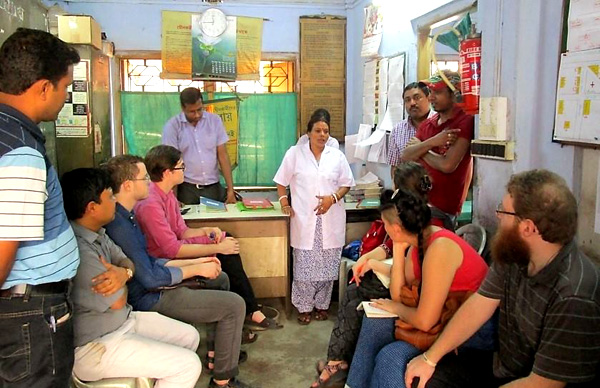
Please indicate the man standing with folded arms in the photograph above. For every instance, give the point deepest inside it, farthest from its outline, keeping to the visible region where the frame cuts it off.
(38, 250)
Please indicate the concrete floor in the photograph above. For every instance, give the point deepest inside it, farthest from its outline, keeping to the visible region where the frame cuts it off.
(285, 357)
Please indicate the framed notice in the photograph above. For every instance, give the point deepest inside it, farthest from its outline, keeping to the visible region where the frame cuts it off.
(74, 118)
(323, 70)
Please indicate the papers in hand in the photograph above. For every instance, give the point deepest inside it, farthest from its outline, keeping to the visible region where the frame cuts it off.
(375, 312)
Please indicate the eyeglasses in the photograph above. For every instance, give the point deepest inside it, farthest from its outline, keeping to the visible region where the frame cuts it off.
(145, 178)
(500, 210)
(182, 167)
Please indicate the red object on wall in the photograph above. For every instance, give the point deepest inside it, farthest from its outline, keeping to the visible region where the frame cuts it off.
(470, 72)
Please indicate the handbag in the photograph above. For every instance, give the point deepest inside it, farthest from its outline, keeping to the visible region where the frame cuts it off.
(423, 340)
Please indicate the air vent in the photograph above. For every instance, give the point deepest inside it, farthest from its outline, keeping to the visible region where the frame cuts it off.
(502, 150)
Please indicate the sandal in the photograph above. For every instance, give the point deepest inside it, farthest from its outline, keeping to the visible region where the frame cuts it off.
(248, 336)
(211, 360)
(265, 324)
(321, 315)
(304, 318)
(337, 375)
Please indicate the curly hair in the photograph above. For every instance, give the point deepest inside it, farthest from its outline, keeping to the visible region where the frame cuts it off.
(544, 197)
(28, 56)
(411, 211)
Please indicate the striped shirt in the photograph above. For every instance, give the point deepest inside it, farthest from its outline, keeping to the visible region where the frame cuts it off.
(550, 322)
(401, 134)
(31, 205)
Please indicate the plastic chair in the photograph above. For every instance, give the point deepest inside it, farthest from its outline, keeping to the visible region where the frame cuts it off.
(345, 266)
(121, 382)
(473, 234)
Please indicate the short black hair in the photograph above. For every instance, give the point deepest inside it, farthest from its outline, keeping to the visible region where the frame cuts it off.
(82, 186)
(28, 56)
(159, 159)
(417, 85)
(319, 115)
(190, 96)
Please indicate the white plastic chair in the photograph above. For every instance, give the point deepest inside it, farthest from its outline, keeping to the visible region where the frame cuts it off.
(473, 234)
(122, 382)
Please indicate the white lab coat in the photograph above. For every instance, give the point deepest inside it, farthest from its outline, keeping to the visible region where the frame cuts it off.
(307, 179)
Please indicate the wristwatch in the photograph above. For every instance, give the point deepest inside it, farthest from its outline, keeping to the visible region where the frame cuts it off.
(129, 273)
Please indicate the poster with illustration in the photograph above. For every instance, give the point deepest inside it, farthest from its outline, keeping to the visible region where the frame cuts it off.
(214, 47)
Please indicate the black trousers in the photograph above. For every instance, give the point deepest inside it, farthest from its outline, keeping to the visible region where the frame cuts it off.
(190, 194)
(238, 280)
(347, 328)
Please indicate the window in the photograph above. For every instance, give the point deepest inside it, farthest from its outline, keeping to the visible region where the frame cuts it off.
(444, 65)
(143, 75)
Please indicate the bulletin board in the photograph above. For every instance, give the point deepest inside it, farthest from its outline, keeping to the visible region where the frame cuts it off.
(578, 85)
(323, 70)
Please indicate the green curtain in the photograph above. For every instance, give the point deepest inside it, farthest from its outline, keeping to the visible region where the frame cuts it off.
(267, 129)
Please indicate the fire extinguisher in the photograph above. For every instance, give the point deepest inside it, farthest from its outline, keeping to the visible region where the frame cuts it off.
(470, 71)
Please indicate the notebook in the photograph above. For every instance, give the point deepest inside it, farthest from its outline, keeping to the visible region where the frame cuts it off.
(257, 203)
(375, 312)
(212, 205)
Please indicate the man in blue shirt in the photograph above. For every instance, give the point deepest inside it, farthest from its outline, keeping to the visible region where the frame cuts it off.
(130, 183)
(38, 251)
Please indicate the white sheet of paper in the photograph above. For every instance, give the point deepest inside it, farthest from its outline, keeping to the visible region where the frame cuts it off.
(375, 138)
(361, 152)
(350, 148)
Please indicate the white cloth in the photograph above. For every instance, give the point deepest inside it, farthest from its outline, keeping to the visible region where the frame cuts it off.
(307, 179)
(331, 142)
(146, 345)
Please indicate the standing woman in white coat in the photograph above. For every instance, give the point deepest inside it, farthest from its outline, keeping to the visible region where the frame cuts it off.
(318, 176)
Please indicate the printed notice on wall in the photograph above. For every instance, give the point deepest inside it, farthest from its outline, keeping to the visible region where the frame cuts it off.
(323, 70)
(73, 119)
(176, 44)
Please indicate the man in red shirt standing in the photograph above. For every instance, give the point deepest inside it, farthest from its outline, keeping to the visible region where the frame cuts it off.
(442, 145)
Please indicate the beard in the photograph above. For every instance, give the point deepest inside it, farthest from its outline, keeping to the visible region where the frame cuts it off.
(508, 247)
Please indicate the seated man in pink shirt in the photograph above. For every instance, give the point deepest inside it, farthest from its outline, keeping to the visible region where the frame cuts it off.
(168, 236)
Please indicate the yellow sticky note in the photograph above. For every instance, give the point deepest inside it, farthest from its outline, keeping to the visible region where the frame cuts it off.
(586, 107)
(561, 107)
(567, 125)
(563, 82)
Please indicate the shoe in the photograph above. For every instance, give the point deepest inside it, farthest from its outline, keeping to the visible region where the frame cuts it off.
(232, 383)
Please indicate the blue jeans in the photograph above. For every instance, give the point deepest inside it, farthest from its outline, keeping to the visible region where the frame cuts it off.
(33, 352)
(376, 346)
(380, 360)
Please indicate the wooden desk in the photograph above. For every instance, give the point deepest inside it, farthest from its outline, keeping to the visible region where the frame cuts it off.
(264, 244)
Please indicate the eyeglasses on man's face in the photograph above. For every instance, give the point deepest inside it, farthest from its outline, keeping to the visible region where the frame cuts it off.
(145, 178)
(500, 210)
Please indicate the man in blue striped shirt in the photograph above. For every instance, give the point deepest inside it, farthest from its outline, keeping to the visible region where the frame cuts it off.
(38, 250)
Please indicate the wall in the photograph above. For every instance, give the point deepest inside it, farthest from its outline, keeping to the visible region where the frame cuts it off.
(398, 37)
(143, 31)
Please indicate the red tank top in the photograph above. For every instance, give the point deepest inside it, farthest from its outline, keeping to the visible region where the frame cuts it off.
(471, 272)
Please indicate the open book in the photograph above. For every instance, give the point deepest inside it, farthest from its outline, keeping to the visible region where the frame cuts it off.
(375, 312)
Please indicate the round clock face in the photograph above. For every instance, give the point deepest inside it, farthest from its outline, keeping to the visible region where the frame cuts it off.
(213, 22)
